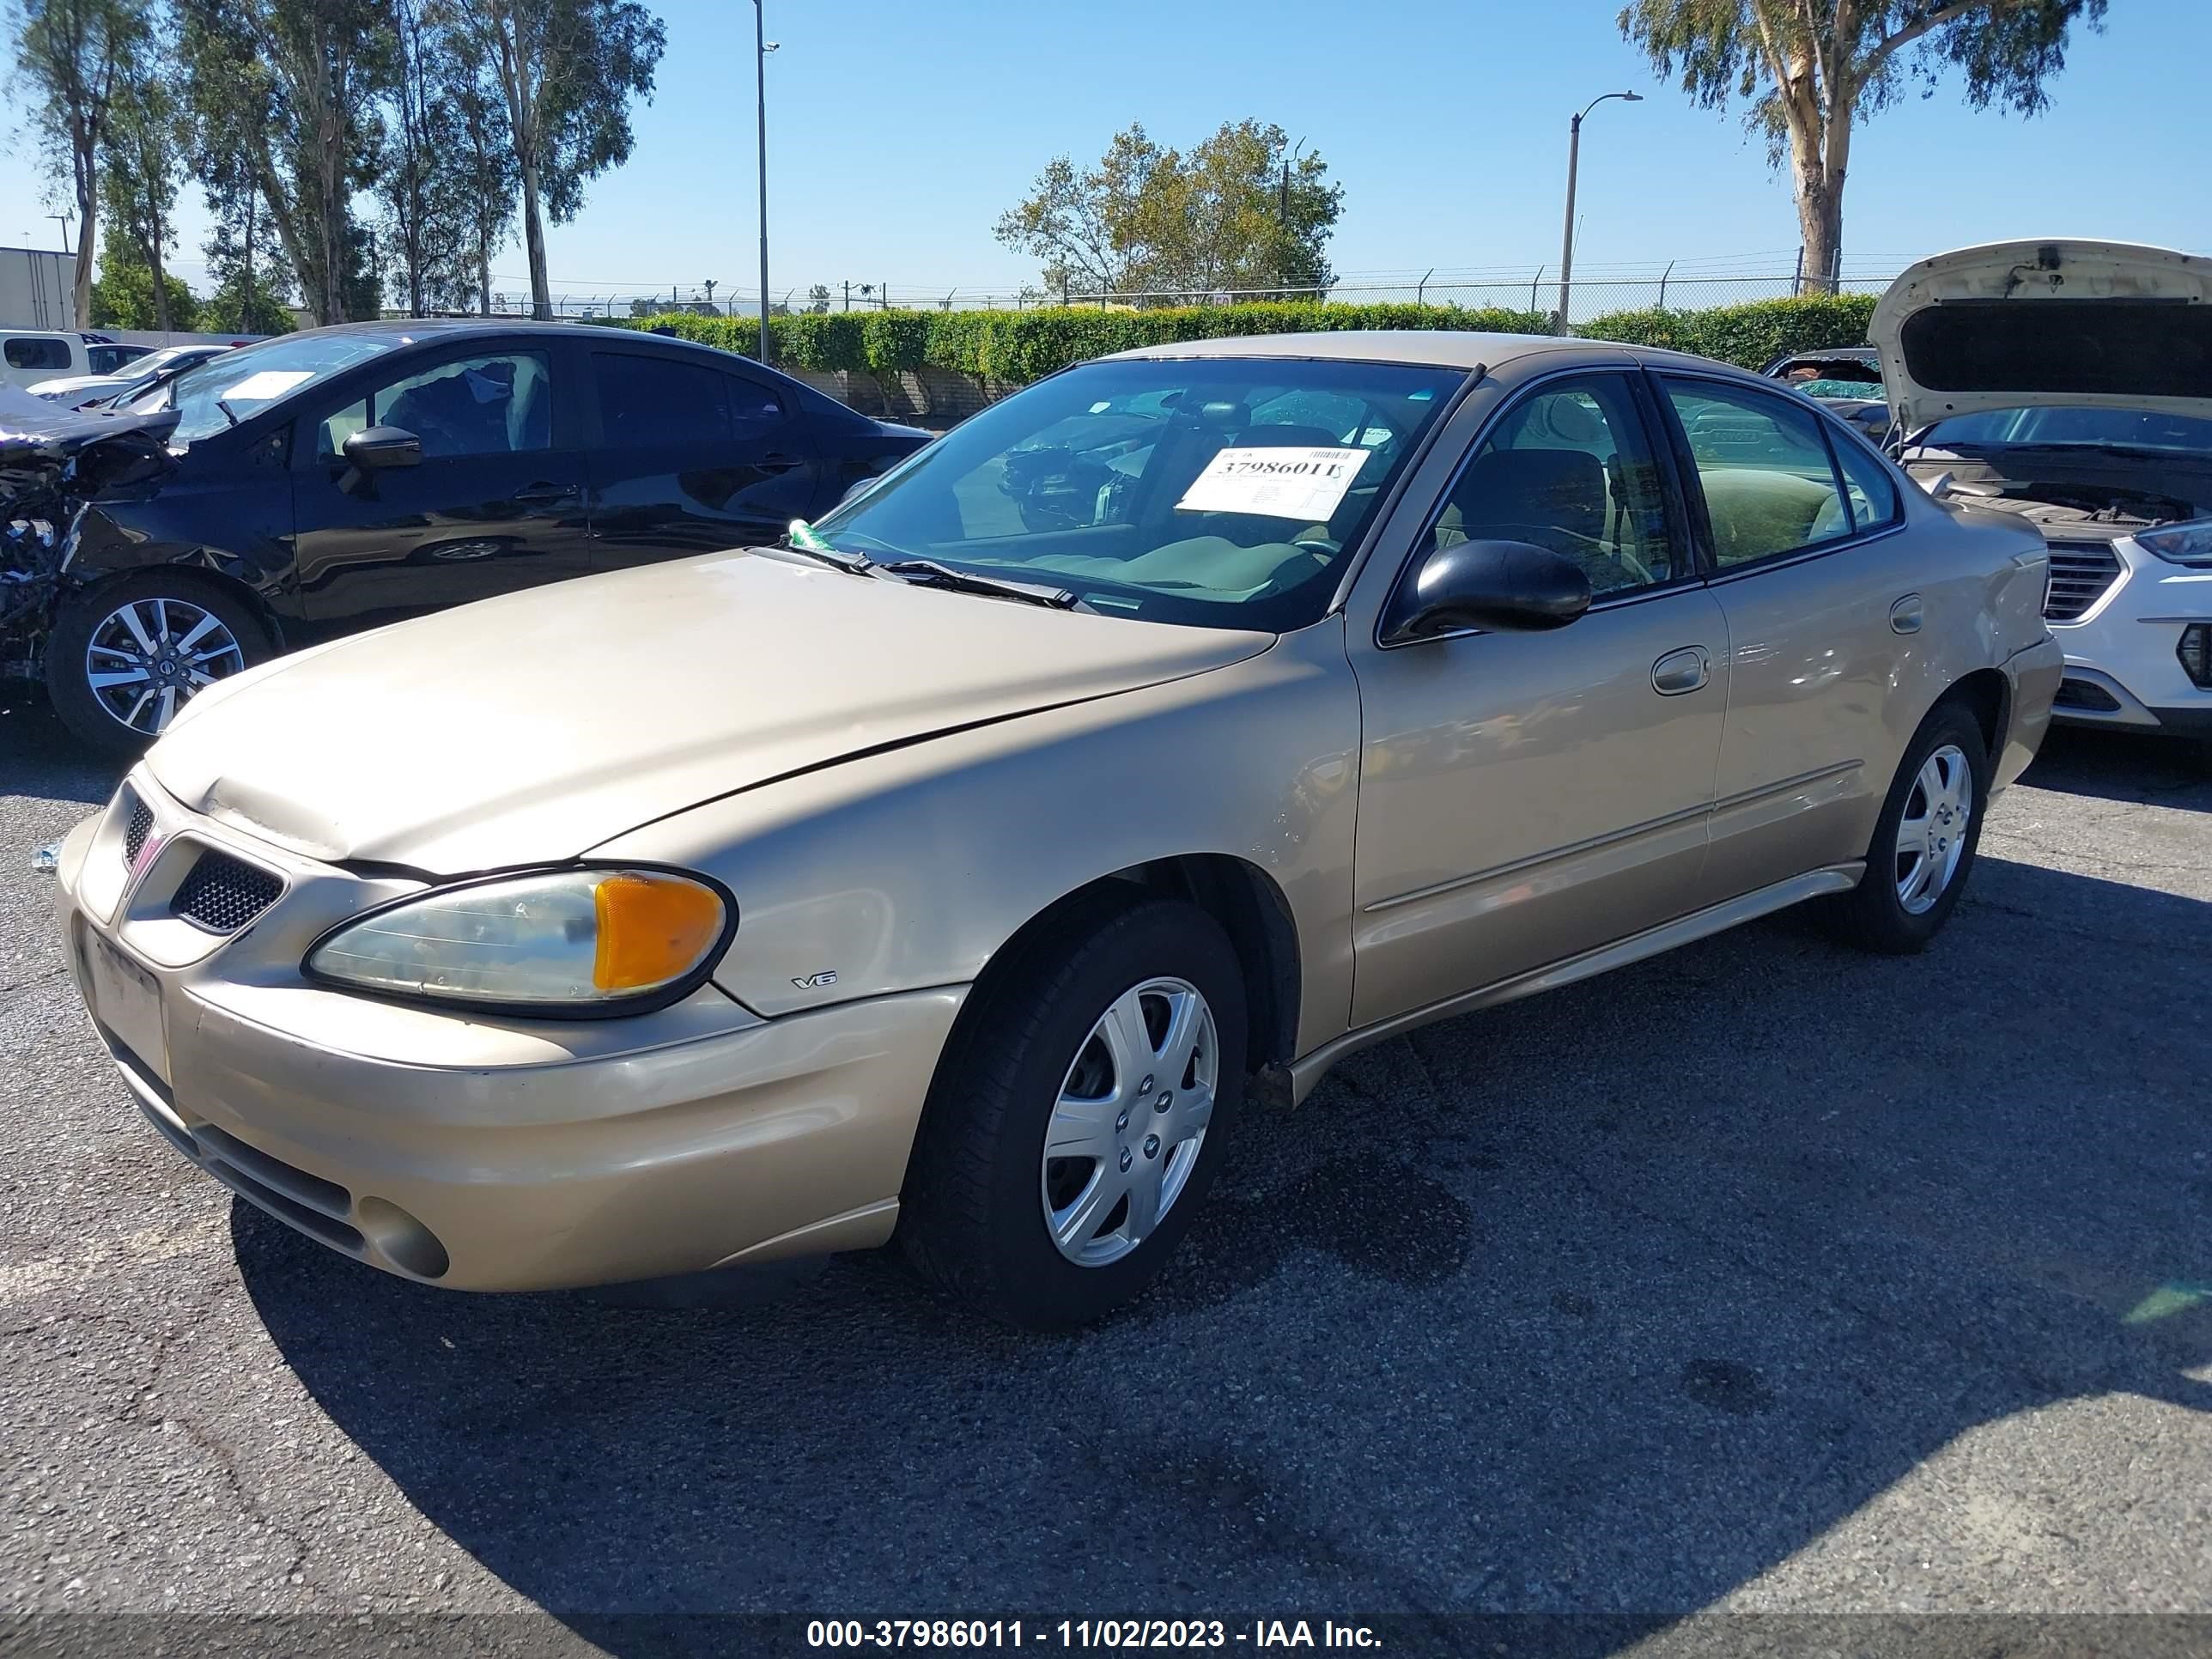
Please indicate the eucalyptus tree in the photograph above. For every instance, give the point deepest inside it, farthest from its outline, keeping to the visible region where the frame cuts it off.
(1812, 70)
(568, 72)
(71, 59)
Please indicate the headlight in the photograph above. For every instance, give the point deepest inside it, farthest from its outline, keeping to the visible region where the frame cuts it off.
(2179, 543)
(554, 941)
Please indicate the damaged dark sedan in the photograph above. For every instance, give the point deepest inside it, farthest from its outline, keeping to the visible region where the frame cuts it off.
(322, 483)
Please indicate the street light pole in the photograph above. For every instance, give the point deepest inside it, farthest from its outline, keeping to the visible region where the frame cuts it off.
(761, 50)
(1573, 161)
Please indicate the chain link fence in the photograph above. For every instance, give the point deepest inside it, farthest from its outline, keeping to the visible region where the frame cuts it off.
(1695, 285)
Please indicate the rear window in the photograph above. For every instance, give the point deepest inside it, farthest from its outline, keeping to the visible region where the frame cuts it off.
(33, 352)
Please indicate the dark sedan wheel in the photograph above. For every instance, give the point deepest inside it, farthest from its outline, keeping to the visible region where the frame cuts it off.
(126, 655)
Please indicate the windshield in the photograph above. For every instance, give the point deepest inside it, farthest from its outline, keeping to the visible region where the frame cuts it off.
(1225, 492)
(2129, 428)
(167, 357)
(225, 390)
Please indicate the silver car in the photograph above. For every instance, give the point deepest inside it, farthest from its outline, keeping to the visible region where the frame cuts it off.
(965, 867)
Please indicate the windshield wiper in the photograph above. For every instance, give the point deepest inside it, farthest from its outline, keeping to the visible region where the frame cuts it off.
(928, 573)
(229, 414)
(802, 537)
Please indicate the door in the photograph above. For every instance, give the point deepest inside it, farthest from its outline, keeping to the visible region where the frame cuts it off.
(1525, 797)
(1819, 603)
(693, 458)
(495, 504)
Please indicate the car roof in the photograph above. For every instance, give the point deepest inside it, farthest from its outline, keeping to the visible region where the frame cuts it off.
(1430, 348)
(404, 331)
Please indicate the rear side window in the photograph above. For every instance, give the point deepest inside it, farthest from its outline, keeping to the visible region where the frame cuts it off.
(651, 403)
(34, 353)
(1770, 483)
(1872, 494)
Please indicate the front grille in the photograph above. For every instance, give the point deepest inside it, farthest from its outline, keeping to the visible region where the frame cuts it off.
(2082, 694)
(222, 894)
(139, 825)
(2081, 572)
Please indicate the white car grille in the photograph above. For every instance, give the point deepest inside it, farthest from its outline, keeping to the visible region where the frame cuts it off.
(2080, 573)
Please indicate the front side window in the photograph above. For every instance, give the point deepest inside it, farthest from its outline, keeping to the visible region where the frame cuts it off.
(1769, 484)
(1568, 468)
(1222, 492)
(35, 353)
(500, 404)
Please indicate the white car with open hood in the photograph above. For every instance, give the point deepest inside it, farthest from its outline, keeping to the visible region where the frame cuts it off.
(2070, 383)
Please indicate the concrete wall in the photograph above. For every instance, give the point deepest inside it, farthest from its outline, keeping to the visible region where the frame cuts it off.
(930, 397)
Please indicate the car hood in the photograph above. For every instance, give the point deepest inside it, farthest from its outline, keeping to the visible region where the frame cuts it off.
(46, 446)
(75, 383)
(535, 726)
(2015, 324)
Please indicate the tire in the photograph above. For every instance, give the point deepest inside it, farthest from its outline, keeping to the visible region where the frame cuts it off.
(90, 636)
(1907, 896)
(1029, 1062)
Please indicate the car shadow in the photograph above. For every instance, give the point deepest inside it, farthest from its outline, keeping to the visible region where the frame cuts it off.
(1608, 1302)
(2111, 764)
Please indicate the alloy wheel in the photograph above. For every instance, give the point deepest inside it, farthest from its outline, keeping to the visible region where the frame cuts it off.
(146, 658)
(1931, 835)
(1130, 1117)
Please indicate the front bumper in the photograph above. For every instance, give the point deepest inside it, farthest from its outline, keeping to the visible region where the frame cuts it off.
(485, 1154)
(2123, 666)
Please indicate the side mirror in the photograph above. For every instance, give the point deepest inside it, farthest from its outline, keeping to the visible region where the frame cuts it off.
(1513, 585)
(375, 447)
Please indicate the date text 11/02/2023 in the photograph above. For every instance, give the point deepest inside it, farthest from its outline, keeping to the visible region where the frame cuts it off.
(1086, 1633)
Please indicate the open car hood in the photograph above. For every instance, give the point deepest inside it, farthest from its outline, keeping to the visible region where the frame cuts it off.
(43, 446)
(2018, 325)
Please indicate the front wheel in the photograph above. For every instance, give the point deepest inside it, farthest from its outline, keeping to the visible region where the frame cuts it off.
(1076, 1122)
(124, 656)
(1925, 840)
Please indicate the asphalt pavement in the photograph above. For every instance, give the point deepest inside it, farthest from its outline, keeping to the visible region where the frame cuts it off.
(1761, 1277)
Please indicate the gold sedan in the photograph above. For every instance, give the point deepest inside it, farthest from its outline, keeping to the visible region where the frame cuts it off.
(963, 866)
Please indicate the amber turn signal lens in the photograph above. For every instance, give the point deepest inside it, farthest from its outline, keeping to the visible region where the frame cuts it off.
(652, 929)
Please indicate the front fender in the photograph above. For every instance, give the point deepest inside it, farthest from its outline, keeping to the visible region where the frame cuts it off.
(911, 868)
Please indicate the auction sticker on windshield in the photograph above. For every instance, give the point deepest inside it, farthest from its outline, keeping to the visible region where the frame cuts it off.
(1290, 482)
(269, 383)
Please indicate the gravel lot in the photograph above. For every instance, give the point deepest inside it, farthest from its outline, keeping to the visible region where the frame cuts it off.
(1763, 1276)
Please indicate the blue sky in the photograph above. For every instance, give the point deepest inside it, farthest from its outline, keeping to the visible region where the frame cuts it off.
(898, 132)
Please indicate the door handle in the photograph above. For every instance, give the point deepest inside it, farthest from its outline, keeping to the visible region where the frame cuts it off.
(534, 494)
(1682, 671)
(1906, 615)
(779, 463)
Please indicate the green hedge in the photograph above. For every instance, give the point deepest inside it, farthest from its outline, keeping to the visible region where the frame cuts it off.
(1016, 347)
(1751, 336)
